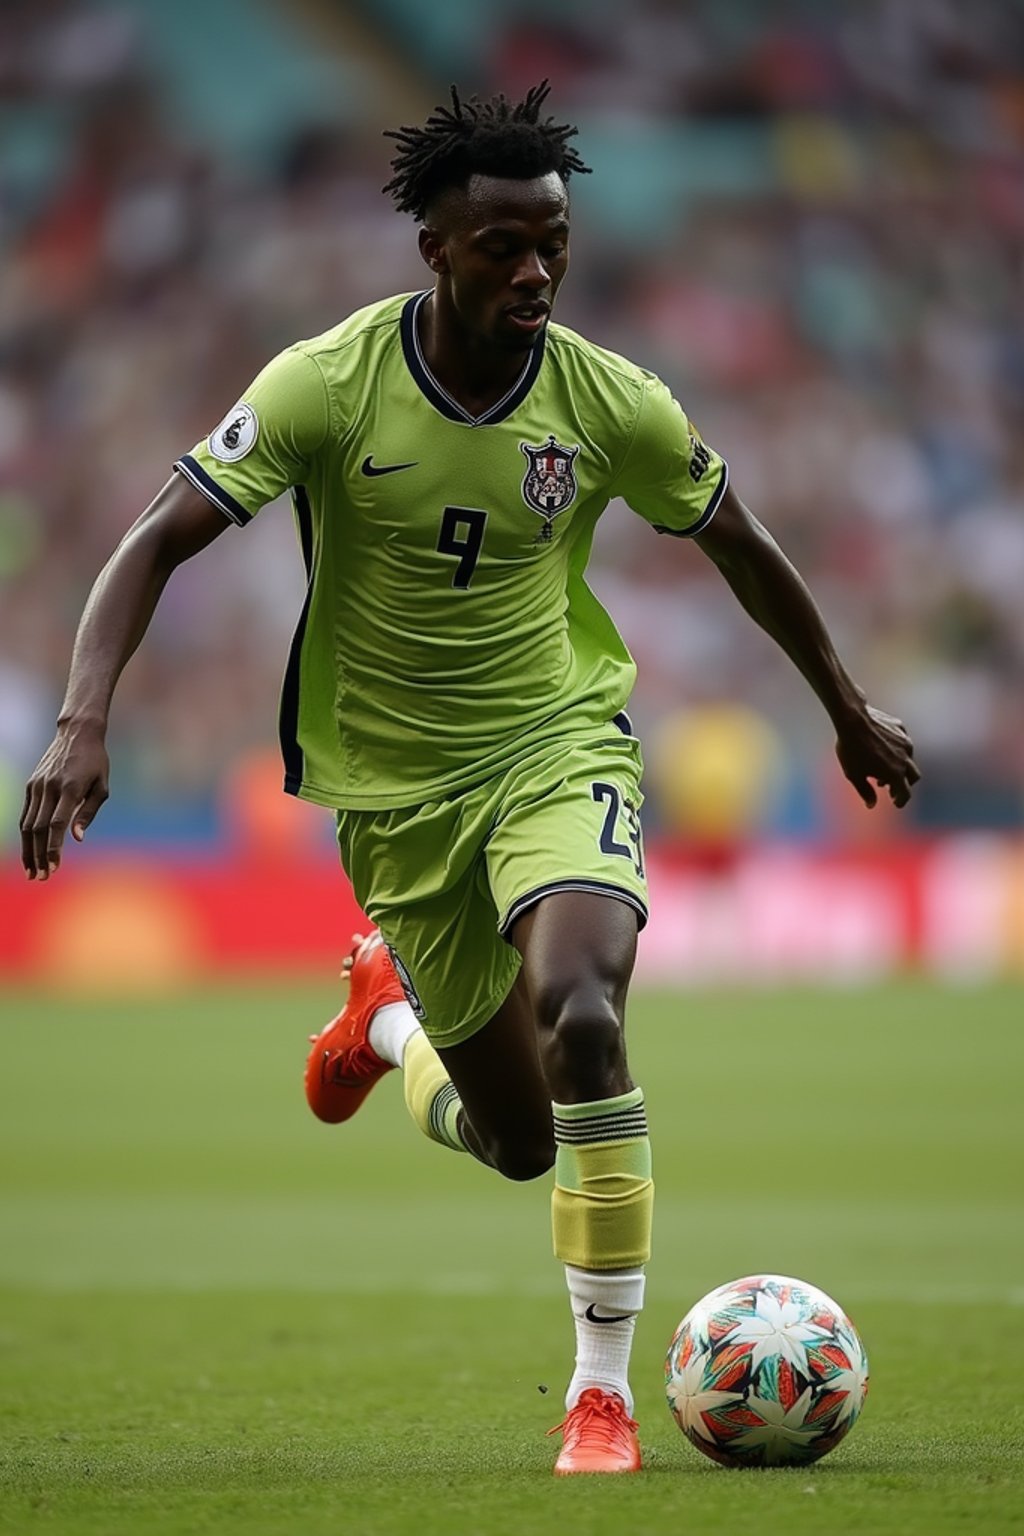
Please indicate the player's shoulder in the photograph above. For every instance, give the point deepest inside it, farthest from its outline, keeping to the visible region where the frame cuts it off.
(322, 378)
(606, 390)
(377, 322)
(606, 370)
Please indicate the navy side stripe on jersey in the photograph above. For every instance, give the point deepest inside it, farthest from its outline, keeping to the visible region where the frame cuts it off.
(288, 720)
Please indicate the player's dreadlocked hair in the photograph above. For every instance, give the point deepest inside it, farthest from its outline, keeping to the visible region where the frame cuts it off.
(487, 138)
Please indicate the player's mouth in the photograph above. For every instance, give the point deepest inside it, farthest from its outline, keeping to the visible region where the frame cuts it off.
(529, 316)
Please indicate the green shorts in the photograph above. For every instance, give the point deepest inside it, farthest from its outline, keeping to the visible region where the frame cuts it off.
(446, 881)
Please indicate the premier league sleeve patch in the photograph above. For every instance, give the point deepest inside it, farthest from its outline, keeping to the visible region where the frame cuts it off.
(235, 435)
(549, 485)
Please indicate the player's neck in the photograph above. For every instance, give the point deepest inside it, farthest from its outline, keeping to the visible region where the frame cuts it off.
(476, 375)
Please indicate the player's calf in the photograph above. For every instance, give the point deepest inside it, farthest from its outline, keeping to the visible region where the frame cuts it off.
(521, 1159)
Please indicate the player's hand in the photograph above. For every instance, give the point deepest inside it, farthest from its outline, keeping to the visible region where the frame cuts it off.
(875, 746)
(66, 790)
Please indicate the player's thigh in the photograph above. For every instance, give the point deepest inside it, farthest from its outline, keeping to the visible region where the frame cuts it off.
(570, 821)
(419, 874)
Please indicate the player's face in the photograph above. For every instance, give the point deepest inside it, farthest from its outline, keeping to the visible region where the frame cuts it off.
(501, 248)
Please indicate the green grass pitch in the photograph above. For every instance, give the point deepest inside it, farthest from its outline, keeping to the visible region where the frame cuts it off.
(219, 1316)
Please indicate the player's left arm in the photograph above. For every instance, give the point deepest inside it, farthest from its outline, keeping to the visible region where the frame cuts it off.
(870, 745)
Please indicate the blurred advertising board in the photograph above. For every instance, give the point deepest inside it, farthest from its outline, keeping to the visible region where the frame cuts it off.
(952, 908)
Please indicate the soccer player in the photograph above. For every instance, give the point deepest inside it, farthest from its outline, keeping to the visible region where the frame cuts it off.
(455, 693)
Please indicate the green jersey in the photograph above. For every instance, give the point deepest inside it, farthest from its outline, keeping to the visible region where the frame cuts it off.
(447, 626)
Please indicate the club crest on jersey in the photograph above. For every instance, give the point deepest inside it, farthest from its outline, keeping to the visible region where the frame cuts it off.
(549, 485)
(235, 435)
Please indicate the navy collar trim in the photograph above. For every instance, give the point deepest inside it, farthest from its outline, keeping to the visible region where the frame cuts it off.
(439, 397)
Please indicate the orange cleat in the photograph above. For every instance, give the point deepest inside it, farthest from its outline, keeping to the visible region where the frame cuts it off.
(599, 1436)
(342, 1067)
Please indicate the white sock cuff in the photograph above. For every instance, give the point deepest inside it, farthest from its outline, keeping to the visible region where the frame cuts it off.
(391, 1029)
(610, 1291)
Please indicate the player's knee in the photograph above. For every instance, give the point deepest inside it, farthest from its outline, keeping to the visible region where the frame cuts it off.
(582, 1043)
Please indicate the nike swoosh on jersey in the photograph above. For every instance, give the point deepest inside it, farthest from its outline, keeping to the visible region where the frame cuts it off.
(592, 1317)
(370, 468)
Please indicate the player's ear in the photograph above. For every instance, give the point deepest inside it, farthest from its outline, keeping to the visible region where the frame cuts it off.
(432, 249)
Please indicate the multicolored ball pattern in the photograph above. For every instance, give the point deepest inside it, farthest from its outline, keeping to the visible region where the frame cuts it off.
(766, 1371)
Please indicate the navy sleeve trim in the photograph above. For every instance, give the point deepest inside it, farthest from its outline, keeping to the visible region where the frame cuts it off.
(706, 516)
(222, 499)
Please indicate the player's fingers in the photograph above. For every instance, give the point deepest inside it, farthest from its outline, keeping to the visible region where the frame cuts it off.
(901, 782)
(40, 829)
(83, 816)
(26, 805)
(899, 791)
(56, 827)
(33, 793)
(866, 790)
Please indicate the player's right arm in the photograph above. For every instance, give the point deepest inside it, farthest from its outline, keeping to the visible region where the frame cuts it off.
(70, 783)
(264, 444)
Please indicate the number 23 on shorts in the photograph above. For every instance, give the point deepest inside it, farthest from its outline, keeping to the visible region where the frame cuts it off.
(619, 812)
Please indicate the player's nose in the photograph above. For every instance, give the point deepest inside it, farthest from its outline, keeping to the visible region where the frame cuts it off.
(532, 273)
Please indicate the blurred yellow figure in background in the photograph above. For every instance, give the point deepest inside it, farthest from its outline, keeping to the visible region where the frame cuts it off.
(716, 772)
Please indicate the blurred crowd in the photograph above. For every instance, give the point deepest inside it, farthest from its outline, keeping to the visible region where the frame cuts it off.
(849, 334)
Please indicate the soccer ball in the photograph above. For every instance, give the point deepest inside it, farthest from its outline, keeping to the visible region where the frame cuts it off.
(765, 1371)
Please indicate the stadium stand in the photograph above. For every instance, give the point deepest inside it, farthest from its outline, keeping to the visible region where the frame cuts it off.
(810, 226)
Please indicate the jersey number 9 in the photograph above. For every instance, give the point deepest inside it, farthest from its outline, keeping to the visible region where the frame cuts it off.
(462, 535)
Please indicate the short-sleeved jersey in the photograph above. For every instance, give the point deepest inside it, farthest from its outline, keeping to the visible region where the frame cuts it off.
(447, 626)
